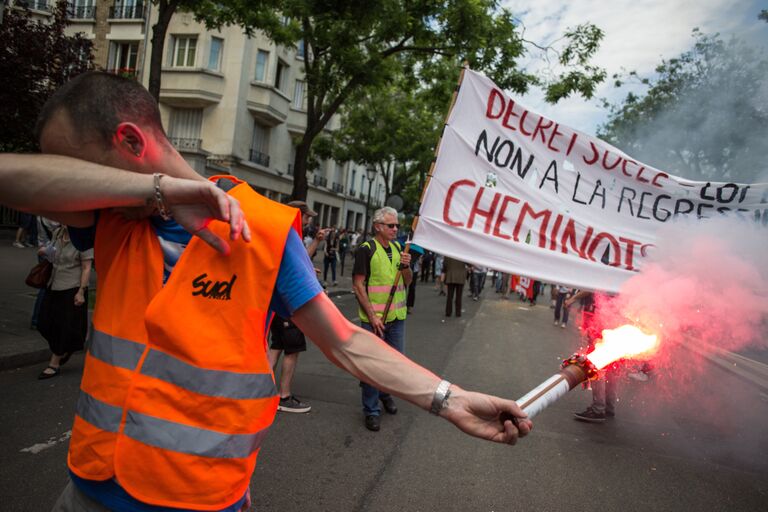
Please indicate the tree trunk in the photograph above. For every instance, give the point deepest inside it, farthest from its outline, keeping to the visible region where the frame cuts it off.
(165, 11)
(300, 186)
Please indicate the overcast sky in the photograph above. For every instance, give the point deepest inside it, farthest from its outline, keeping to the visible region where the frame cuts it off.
(638, 35)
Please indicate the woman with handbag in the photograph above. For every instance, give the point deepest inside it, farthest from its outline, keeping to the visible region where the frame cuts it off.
(63, 320)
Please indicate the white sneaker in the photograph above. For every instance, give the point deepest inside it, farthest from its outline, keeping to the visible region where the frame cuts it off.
(556, 322)
(563, 325)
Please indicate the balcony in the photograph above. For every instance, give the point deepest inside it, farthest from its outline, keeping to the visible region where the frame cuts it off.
(290, 169)
(352, 192)
(266, 104)
(191, 87)
(126, 12)
(320, 181)
(81, 12)
(35, 5)
(184, 144)
(260, 158)
(337, 187)
(124, 72)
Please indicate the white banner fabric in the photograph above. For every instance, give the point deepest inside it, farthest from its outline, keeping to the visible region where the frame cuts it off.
(519, 193)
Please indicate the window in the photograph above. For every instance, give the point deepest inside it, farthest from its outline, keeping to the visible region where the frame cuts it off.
(260, 145)
(214, 59)
(127, 9)
(280, 72)
(262, 59)
(184, 128)
(300, 49)
(122, 57)
(298, 95)
(183, 51)
(81, 9)
(352, 189)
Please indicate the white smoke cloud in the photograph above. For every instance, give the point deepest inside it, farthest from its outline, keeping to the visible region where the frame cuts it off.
(707, 285)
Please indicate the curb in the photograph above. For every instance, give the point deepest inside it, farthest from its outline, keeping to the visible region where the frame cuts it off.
(13, 361)
(749, 370)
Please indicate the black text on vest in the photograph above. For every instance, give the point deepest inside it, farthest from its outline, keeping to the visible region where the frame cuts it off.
(221, 290)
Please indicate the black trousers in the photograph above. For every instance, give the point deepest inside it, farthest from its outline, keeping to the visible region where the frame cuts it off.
(454, 290)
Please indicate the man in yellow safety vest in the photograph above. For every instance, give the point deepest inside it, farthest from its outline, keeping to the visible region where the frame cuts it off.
(376, 264)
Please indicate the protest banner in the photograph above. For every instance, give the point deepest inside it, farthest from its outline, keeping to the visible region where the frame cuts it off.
(504, 174)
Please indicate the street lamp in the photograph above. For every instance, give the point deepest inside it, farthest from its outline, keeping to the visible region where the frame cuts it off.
(370, 173)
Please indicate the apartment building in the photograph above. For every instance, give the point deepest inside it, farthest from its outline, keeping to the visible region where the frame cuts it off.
(231, 104)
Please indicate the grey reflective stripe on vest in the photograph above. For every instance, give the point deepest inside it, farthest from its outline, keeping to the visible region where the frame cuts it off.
(99, 414)
(216, 383)
(116, 351)
(173, 436)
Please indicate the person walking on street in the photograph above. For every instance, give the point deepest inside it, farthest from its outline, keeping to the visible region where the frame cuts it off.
(344, 240)
(561, 310)
(177, 393)
(330, 251)
(287, 339)
(454, 275)
(417, 266)
(477, 278)
(440, 283)
(63, 320)
(604, 392)
(377, 262)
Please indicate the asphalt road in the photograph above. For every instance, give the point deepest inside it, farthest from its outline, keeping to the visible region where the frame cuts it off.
(701, 447)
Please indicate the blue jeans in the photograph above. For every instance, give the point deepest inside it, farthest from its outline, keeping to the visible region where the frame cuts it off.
(394, 336)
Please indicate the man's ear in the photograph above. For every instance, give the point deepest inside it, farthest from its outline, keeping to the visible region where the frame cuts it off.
(130, 138)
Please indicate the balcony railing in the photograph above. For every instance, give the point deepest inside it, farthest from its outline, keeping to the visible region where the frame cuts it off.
(320, 181)
(290, 169)
(81, 12)
(260, 158)
(123, 72)
(337, 187)
(352, 192)
(186, 144)
(38, 5)
(362, 195)
(126, 12)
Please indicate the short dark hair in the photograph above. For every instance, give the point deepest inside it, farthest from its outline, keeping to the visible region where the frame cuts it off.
(97, 102)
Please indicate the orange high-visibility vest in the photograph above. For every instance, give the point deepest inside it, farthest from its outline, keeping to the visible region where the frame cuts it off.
(177, 392)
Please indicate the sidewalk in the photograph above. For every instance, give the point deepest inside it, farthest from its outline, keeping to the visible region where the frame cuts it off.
(19, 345)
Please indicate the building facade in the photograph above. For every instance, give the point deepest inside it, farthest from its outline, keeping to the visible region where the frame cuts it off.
(230, 104)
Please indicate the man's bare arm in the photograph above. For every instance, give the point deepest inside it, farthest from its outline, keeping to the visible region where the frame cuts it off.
(69, 190)
(371, 360)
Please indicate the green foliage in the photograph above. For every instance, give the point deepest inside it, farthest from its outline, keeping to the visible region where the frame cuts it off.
(703, 116)
(36, 58)
(356, 51)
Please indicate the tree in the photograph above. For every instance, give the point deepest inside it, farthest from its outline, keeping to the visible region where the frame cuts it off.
(356, 46)
(703, 116)
(248, 14)
(383, 128)
(36, 58)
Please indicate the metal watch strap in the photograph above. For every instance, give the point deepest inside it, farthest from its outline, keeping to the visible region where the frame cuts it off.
(440, 398)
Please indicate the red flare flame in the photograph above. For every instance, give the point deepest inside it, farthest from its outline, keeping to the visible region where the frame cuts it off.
(625, 342)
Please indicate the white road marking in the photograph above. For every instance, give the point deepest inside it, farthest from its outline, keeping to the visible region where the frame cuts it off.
(53, 441)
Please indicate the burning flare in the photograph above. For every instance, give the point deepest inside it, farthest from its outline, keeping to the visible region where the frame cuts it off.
(626, 341)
